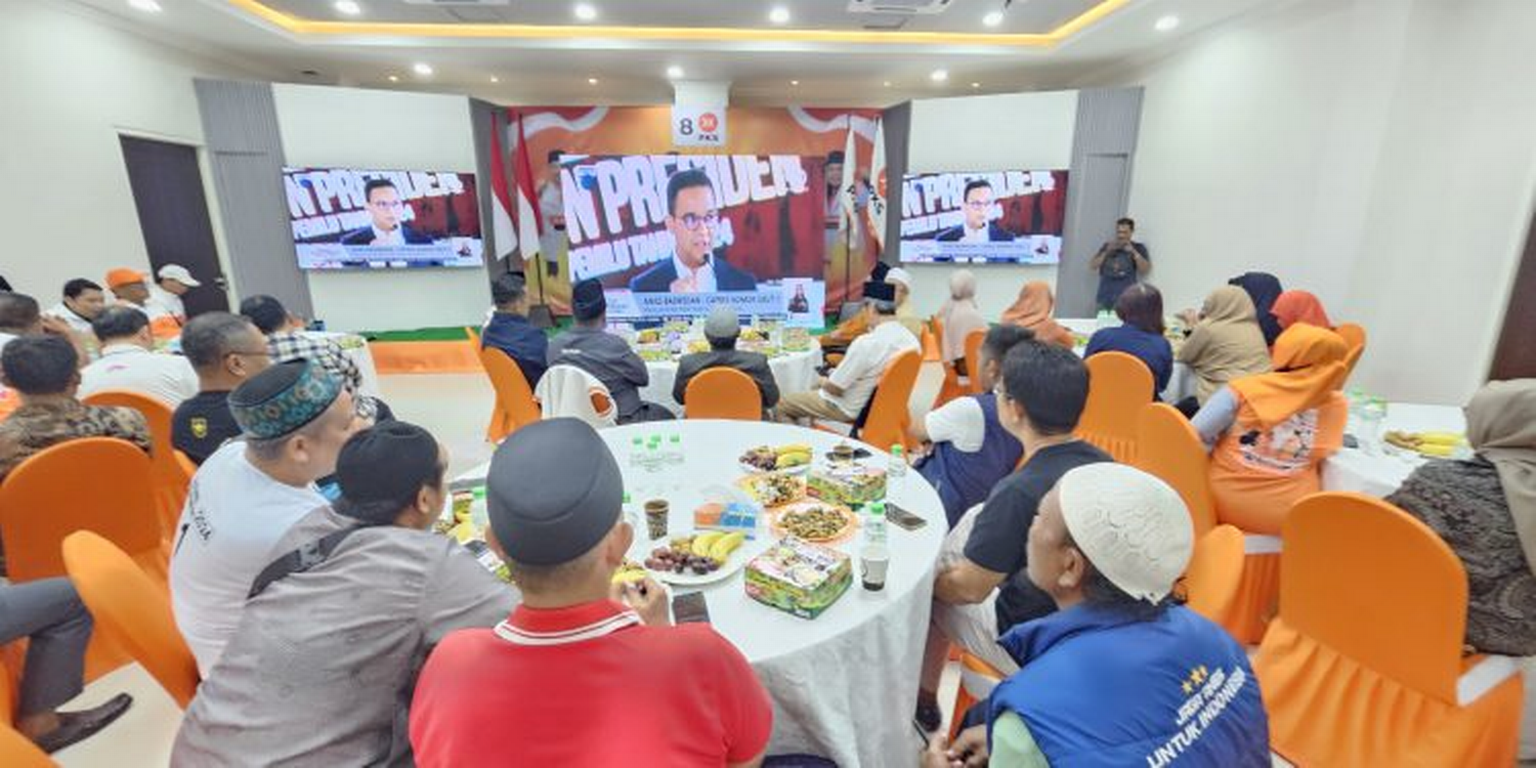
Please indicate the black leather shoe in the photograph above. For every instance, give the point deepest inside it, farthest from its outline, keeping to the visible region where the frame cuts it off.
(77, 726)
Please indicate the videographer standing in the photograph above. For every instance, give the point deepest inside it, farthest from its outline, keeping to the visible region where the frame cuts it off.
(1119, 262)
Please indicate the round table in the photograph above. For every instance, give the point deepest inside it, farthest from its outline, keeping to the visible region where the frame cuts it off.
(843, 684)
(793, 371)
(1376, 471)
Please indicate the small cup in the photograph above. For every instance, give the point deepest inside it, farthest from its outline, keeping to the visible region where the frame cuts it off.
(842, 452)
(656, 512)
(874, 560)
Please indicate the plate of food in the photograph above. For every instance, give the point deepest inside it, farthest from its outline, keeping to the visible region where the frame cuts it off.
(1438, 445)
(794, 458)
(701, 558)
(815, 521)
(772, 489)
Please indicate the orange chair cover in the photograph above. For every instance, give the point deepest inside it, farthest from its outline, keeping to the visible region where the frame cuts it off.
(723, 393)
(973, 342)
(1119, 385)
(889, 413)
(1211, 582)
(171, 478)
(515, 405)
(17, 751)
(1171, 449)
(1258, 594)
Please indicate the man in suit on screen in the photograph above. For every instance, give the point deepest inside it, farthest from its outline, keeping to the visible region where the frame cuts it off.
(976, 228)
(384, 206)
(694, 267)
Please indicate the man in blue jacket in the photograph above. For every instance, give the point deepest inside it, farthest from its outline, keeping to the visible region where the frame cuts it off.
(510, 331)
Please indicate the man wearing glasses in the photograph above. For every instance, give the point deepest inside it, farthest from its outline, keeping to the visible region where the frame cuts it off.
(225, 350)
(694, 267)
(386, 228)
(976, 228)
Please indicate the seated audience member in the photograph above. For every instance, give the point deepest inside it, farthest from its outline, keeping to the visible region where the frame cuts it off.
(960, 317)
(510, 331)
(83, 301)
(588, 346)
(1044, 388)
(20, 316)
(225, 350)
(1485, 509)
(1223, 343)
(1270, 433)
(128, 361)
(1106, 679)
(288, 689)
(1263, 289)
(720, 330)
(129, 288)
(1294, 307)
(174, 282)
(840, 337)
(843, 394)
(43, 372)
(584, 672)
(1140, 308)
(288, 340)
(972, 449)
(244, 498)
(901, 281)
(49, 614)
(1033, 310)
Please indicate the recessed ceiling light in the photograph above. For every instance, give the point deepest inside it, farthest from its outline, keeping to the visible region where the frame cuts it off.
(1166, 23)
(495, 79)
(887, 83)
(422, 68)
(939, 75)
(993, 19)
(591, 81)
(148, 6)
(779, 15)
(585, 11)
(394, 78)
(674, 71)
(975, 85)
(794, 82)
(348, 7)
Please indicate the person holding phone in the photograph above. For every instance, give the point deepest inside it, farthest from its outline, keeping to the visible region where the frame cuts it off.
(1119, 263)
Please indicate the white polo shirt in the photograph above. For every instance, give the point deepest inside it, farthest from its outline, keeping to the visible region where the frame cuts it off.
(866, 360)
(165, 377)
(167, 301)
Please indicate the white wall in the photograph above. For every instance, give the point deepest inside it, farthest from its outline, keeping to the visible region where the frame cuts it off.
(72, 83)
(1379, 154)
(352, 127)
(988, 133)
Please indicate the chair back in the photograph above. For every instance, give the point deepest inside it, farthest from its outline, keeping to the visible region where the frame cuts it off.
(889, 413)
(1168, 447)
(170, 482)
(17, 751)
(977, 679)
(97, 484)
(973, 342)
(1376, 585)
(515, 406)
(722, 393)
(1354, 336)
(1119, 386)
(1215, 571)
(133, 610)
(567, 390)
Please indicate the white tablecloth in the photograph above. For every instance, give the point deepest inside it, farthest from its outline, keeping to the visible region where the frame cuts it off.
(1181, 383)
(794, 372)
(843, 684)
(1378, 474)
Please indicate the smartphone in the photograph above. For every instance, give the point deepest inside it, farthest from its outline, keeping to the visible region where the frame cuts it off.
(900, 516)
(690, 609)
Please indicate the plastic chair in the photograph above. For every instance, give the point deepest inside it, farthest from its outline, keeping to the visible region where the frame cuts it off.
(889, 414)
(1170, 449)
(1210, 583)
(1119, 386)
(133, 610)
(723, 393)
(973, 342)
(1363, 666)
(1354, 336)
(474, 335)
(17, 751)
(977, 679)
(515, 405)
(171, 482)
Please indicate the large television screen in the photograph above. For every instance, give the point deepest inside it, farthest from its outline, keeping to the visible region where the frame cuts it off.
(357, 218)
(673, 235)
(1006, 217)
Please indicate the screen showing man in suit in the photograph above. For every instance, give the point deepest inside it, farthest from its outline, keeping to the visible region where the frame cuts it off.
(371, 219)
(1010, 217)
(695, 266)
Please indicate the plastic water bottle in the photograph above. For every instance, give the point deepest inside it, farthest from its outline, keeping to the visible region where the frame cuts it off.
(675, 450)
(898, 466)
(874, 524)
(479, 509)
(654, 460)
(636, 453)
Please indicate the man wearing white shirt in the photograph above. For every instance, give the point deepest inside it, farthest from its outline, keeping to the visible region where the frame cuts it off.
(128, 361)
(174, 283)
(130, 288)
(843, 394)
(83, 301)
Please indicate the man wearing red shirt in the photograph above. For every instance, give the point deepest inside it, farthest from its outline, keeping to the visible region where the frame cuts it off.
(581, 673)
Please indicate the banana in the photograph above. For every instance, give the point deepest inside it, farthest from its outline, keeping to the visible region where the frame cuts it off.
(1436, 449)
(793, 448)
(792, 460)
(703, 542)
(725, 545)
(1442, 438)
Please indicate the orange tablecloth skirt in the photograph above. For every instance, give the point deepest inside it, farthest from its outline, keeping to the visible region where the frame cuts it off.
(425, 357)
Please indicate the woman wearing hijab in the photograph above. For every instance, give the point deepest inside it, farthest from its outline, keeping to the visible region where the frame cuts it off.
(1140, 308)
(1033, 310)
(1225, 343)
(1294, 307)
(1485, 509)
(1269, 433)
(1263, 288)
(959, 315)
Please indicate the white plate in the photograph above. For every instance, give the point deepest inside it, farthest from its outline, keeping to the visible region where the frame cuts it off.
(734, 563)
(753, 470)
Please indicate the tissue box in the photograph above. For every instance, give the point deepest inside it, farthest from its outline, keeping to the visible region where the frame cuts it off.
(798, 577)
(726, 516)
(848, 484)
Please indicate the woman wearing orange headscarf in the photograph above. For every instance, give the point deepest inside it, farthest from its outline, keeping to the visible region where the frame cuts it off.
(1033, 309)
(1294, 307)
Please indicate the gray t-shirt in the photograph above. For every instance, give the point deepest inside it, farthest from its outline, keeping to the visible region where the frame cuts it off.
(322, 666)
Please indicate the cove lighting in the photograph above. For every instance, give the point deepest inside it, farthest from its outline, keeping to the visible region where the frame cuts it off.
(1166, 23)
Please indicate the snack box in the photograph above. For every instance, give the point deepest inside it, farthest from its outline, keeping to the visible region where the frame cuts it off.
(848, 484)
(799, 577)
(728, 517)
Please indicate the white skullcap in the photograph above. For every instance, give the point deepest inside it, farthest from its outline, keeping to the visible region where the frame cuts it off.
(1131, 526)
(899, 275)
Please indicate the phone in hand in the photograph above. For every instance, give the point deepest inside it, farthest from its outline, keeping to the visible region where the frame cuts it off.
(690, 609)
(900, 516)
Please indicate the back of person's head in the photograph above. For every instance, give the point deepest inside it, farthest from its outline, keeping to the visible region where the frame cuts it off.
(589, 305)
(1141, 306)
(211, 336)
(286, 401)
(508, 290)
(1050, 382)
(77, 286)
(881, 297)
(116, 323)
(388, 471)
(266, 312)
(1001, 339)
(19, 312)
(722, 327)
(39, 365)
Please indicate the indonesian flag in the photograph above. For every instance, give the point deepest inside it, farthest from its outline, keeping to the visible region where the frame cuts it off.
(528, 223)
(502, 228)
(877, 198)
(848, 218)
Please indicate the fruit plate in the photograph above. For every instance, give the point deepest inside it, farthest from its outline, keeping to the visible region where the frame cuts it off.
(782, 527)
(753, 469)
(733, 564)
(735, 559)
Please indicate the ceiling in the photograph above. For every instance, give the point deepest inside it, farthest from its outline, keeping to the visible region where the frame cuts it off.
(538, 52)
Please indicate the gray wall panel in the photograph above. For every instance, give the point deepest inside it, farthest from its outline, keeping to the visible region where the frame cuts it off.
(1098, 190)
(897, 122)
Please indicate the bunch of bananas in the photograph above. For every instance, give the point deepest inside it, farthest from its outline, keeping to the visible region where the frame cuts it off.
(1427, 443)
(717, 545)
(795, 455)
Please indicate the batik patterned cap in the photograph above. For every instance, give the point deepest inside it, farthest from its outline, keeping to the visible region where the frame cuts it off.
(283, 398)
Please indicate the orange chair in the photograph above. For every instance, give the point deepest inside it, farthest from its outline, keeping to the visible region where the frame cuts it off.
(889, 414)
(17, 751)
(515, 404)
(930, 343)
(1210, 583)
(1170, 448)
(973, 342)
(171, 481)
(723, 393)
(474, 335)
(133, 610)
(1119, 386)
(977, 679)
(1354, 336)
(1363, 666)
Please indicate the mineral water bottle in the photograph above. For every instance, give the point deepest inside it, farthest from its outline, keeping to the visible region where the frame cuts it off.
(898, 466)
(636, 453)
(874, 524)
(675, 450)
